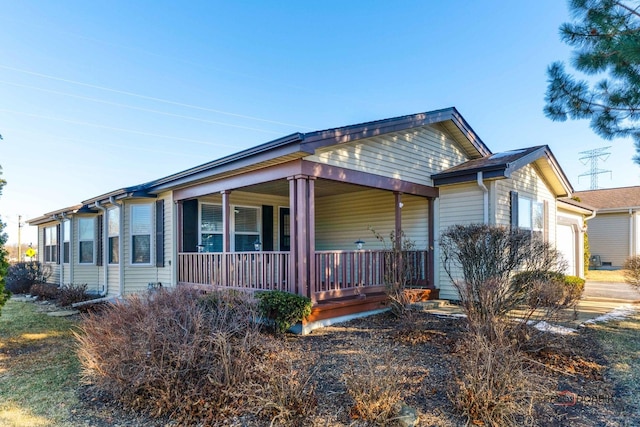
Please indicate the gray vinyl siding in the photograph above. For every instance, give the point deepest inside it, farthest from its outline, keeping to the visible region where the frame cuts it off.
(459, 204)
(609, 237)
(345, 218)
(52, 266)
(412, 155)
(89, 274)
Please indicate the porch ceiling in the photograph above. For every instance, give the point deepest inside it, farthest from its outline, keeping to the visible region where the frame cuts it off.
(322, 188)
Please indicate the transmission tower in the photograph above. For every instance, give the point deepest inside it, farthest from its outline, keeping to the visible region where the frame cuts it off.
(593, 157)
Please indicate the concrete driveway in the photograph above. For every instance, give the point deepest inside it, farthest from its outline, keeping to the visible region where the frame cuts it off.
(621, 291)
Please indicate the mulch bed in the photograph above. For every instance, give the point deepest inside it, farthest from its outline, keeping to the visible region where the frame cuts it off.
(422, 352)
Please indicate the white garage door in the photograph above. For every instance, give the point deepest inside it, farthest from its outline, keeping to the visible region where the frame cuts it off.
(566, 244)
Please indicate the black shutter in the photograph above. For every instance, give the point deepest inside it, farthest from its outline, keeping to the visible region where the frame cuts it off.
(100, 243)
(190, 226)
(514, 209)
(267, 228)
(58, 245)
(159, 233)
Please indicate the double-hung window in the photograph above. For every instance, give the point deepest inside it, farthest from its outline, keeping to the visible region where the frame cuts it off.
(113, 234)
(531, 215)
(66, 241)
(141, 230)
(246, 228)
(51, 244)
(211, 228)
(86, 240)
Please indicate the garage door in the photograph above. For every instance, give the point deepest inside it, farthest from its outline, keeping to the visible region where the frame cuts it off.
(566, 244)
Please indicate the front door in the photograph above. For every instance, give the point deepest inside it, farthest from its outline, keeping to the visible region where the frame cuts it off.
(285, 230)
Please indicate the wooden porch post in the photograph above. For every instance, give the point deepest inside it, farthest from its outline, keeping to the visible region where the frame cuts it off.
(398, 227)
(226, 227)
(179, 226)
(302, 240)
(293, 243)
(311, 223)
(430, 251)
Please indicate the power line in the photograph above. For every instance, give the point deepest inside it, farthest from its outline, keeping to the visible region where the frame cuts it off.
(150, 98)
(593, 157)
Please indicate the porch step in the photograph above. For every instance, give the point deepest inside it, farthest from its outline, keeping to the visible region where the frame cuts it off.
(430, 304)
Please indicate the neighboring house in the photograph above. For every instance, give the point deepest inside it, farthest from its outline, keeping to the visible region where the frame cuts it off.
(614, 234)
(288, 214)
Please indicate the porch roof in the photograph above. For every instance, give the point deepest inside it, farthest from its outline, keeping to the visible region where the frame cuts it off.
(502, 165)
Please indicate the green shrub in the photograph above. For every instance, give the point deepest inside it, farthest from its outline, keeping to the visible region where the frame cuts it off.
(632, 271)
(71, 294)
(45, 291)
(283, 309)
(573, 289)
(23, 275)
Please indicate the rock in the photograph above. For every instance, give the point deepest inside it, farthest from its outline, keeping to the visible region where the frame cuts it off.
(408, 416)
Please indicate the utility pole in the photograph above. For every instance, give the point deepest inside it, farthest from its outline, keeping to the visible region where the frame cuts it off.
(593, 157)
(19, 238)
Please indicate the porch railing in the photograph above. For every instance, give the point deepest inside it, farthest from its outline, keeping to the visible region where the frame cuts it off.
(337, 273)
(351, 272)
(246, 270)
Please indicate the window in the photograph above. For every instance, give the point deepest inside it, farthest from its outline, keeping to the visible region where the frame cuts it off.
(113, 234)
(86, 239)
(530, 214)
(211, 227)
(66, 241)
(246, 226)
(141, 229)
(51, 244)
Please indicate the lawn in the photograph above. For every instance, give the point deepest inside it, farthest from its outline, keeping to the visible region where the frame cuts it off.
(39, 370)
(616, 276)
(38, 367)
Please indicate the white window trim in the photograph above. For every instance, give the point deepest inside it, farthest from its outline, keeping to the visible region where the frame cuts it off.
(151, 236)
(47, 250)
(115, 212)
(232, 223)
(66, 228)
(93, 252)
(232, 226)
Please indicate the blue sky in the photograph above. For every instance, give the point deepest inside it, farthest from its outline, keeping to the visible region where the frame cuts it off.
(99, 95)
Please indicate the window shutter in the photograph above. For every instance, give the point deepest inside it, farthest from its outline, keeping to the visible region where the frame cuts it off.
(190, 226)
(159, 233)
(267, 228)
(514, 208)
(99, 240)
(58, 245)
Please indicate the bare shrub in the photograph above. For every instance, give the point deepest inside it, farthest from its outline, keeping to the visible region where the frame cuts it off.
(399, 270)
(372, 383)
(631, 268)
(493, 385)
(194, 359)
(45, 291)
(22, 275)
(497, 270)
(71, 294)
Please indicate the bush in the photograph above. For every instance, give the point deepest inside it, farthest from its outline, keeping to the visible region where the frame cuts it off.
(195, 359)
(283, 309)
(71, 294)
(373, 385)
(631, 268)
(45, 291)
(573, 289)
(23, 275)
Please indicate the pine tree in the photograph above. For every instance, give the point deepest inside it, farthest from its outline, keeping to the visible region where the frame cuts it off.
(606, 40)
(4, 263)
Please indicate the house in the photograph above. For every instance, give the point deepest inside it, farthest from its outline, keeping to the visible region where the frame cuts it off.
(288, 214)
(614, 234)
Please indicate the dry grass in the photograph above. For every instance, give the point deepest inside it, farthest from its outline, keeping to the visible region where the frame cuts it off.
(616, 276)
(38, 367)
(372, 383)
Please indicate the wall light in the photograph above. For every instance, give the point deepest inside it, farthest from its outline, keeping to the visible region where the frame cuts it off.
(358, 244)
(257, 244)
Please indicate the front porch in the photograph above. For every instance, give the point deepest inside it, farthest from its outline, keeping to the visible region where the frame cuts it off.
(337, 276)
